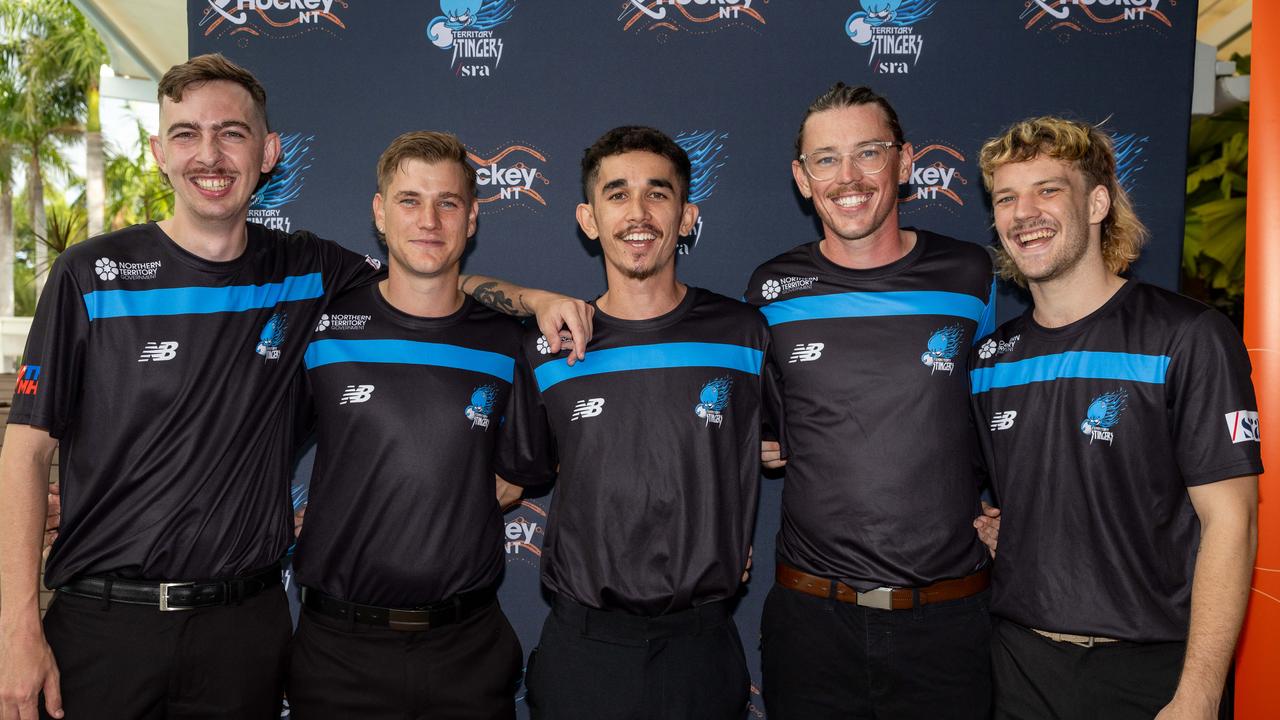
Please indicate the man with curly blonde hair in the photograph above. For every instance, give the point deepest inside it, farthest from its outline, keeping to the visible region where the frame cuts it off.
(1129, 507)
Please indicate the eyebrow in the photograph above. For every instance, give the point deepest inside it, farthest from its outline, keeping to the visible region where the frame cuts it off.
(1056, 179)
(446, 195)
(860, 143)
(183, 125)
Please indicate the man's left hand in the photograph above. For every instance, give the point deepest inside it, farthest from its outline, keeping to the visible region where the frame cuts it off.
(557, 314)
(1182, 709)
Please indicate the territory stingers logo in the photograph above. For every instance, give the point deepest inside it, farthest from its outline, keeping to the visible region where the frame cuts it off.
(712, 401)
(1103, 414)
(467, 29)
(272, 336)
(705, 156)
(942, 348)
(273, 19)
(934, 172)
(1063, 18)
(481, 406)
(667, 17)
(285, 184)
(886, 26)
(510, 177)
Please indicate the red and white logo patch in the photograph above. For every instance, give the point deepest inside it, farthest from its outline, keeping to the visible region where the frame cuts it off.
(1243, 426)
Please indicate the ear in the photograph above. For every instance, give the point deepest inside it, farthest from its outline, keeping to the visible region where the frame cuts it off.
(802, 178)
(379, 216)
(157, 152)
(906, 157)
(688, 217)
(270, 152)
(1099, 204)
(587, 221)
(472, 216)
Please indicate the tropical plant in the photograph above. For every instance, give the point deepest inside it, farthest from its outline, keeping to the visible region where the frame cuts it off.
(136, 192)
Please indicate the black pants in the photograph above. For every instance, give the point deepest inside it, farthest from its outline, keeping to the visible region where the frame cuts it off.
(341, 669)
(823, 658)
(597, 665)
(135, 662)
(1036, 677)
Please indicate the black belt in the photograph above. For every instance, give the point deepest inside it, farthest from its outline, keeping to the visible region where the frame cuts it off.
(175, 595)
(446, 612)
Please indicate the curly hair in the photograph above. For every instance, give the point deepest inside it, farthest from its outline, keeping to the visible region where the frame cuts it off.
(1090, 151)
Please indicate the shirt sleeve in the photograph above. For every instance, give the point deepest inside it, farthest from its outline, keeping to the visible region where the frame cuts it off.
(773, 412)
(343, 269)
(526, 451)
(47, 391)
(1212, 411)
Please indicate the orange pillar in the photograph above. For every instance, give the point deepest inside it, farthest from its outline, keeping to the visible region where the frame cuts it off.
(1258, 659)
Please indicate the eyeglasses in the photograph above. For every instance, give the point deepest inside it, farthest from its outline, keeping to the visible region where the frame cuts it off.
(870, 157)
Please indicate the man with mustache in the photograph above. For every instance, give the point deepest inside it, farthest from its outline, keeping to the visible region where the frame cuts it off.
(880, 605)
(655, 436)
(1123, 443)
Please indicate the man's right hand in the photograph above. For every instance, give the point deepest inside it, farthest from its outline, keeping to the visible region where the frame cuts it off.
(988, 526)
(26, 669)
(771, 454)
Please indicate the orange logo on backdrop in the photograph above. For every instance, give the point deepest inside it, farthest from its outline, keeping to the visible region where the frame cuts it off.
(510, 175)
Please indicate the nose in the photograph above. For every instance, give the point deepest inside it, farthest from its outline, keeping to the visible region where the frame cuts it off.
(209, 151)
(849, 170)
(1025, 208)
(636, 209)
(429, 218)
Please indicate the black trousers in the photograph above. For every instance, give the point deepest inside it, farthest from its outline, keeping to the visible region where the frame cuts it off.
(1036, 677)
(134, 662)
(823, 658)
(597, 665)
(341, 669)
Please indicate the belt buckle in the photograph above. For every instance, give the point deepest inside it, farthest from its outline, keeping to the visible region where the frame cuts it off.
(880, 599)
(408, 620)
(164, 595)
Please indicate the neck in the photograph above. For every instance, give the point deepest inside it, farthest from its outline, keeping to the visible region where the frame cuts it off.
(216, 241)
(426, 297)
(1073, 295)
(885, 246)
(632, 299)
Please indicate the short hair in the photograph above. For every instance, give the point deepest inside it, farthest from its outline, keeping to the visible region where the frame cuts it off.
(634, 138)
(1088, 150)
(206, 68)
(844, 96)
(428, 146)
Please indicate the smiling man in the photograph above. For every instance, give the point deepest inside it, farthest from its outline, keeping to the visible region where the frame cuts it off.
(655, 436)
(1122, 434)
(880, 606)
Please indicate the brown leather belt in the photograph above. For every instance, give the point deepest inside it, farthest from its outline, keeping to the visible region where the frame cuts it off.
(884, 598)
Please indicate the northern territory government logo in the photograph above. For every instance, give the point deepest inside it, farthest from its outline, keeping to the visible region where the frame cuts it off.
(480, 406)
(773, 287)
(285, 184)
(942, 348)
(510, 176)
(467, 31)
(275, 19)
(272, 336)
(667, 17)
(706, 156)
(887, 28)
(109, 269)
(1103, 414)
(935, 178)
(712, 401)
(1064, 18)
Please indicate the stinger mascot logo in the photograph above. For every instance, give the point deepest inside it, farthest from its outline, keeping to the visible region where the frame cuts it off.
(886, 26)
(285, 184)
(272, 336)
(1103, 414)
(481, 406)
(706, 157)
(712, 401)
(467, 28)
(942, 348)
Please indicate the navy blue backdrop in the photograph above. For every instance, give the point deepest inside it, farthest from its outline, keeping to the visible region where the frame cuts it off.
(527, 84)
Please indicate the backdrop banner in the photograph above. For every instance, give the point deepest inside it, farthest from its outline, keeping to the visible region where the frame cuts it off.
(528, 84)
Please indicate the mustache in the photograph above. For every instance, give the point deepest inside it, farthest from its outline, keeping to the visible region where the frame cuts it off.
(639, 227)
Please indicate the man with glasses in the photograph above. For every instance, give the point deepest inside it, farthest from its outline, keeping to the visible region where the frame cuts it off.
(880, 608)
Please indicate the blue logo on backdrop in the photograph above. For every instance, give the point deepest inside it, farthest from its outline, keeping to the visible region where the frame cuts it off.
(481, 405)
(466, 27)
(1130, 158)
(272, 336)
(705, 150)
(886, 27)
(1103, 414)
(712, 401)
(285, 184)
(942, 348)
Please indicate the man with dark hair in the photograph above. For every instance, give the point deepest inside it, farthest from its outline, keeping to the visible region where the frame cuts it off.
(655, 437)
(880, 606)
(1121, 430)
(401, 553)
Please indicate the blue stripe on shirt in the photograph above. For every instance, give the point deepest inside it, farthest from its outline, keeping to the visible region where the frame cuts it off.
(874, 304)
(200, 300)
(1074, 364)
(409, 352)
(652, 357)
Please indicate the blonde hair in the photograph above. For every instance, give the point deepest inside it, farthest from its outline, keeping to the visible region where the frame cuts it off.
(428, 146)
(1091, 152)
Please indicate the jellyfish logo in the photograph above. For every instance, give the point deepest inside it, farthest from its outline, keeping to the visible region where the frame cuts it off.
(940, 351)
(481, 405)
(712, 401)
(1103, 414)
(466, 15)
(272, 336)
(885, 14)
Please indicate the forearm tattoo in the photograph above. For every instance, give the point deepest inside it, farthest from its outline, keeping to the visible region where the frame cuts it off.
(489, 295)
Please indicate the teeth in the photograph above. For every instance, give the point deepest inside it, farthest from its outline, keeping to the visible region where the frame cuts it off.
(639, 237)
(1035, 235)
(213, 184)
(849, 201)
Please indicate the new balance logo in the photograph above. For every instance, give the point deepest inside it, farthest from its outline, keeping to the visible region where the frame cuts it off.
(590, 407)
(1243, 426)
(159, 351)
(356, 394)
(806, 352)
(1003, 420)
